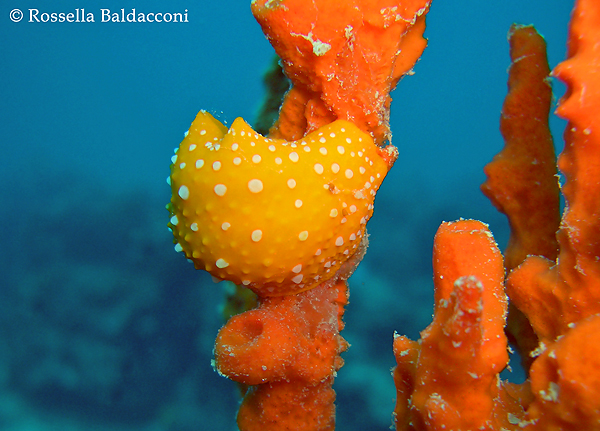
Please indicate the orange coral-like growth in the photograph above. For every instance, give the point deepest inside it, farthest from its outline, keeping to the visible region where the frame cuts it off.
(289, 349)
(343, 58)
(522, 179)
(561, 299)
(449, 379)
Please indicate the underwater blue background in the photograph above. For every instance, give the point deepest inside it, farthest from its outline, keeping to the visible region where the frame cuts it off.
(102, 325)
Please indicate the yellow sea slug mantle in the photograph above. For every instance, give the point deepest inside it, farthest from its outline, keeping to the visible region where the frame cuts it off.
(278, 217)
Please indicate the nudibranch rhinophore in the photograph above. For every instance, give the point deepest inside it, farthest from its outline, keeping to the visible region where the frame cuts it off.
(278, 217)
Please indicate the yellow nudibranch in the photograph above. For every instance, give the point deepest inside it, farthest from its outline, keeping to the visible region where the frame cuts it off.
(278, 217)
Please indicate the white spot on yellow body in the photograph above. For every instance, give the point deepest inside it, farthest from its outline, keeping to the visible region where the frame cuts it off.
(183, 192)
(255, 186)
(220, 189)
(221, 263)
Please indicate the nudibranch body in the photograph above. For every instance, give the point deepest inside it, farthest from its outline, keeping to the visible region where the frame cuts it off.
(278, 217)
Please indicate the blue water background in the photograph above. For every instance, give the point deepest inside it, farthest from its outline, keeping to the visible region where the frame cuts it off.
(103, 325)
